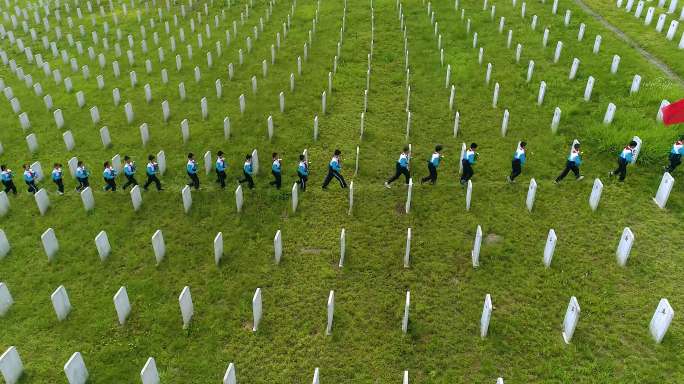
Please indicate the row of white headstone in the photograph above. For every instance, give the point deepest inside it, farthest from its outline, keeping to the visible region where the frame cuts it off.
(662, 18)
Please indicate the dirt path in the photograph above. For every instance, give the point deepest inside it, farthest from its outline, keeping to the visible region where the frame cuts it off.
(647, 55)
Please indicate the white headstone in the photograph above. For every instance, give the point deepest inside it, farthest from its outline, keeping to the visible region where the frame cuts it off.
(278, 246)
(229, 377)
(486, 316)
(343, 246)
(32, 142)
(102, 244)
(407, 305)
(6, 301)
(661, 22)
(664, 190)
(4, 244)
(407, 251)
(661, 320)
(636, 83)
(136, 197)
(149, 373)
(595, 196)
(351, 197)
(571, 319)
(122, 305)
(158, 246)
(42, 201)
(60, 302)
(555, 121)
(549, 248)
(409, 192)
(256, 309)
(331, 311)
(469, 194)
(11, 366)
(610, 114)
(50, 243)
(75, 369)
(88, 199)
(186, 307)
(4, 203)
(239, 200)
(597, 44)
(625, 246)
(475, 253)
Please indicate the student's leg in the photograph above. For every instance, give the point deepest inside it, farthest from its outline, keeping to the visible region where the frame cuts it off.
(516, 169)
(113, 184)
(157, 182)
(86, 183)
(223, 179)
(192, 180)
(575, 170)
(328, 177)
(407, 174)
(304, 179)
(250, 181)
(623, 170)
(278, 180)
(675, 160)
(340, 179)
(60, 185)
(560, 177)
(397, 173)
(274, 178)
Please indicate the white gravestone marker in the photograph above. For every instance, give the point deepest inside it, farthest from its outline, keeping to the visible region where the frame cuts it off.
(60, 302)
(343, 246)
(42, 201)
(636, 84)
(4, 203)
(407, 305)
(278, 246)
(531, 194)
(664, 190)
(187, 198)
(255, 162)
(486, 316)
(32, 142)
(469, 194)
(595, 196)
(351, 197)
(149, 373)
(218, 248)
(407, 207)
(407, 251)
(295, 197)
(610, 114)
(239, 200)
(256, 309)
(158, 246)
(625, 246)
(102, 244)
(229, 377)
(570, 320)
(88, 199)
(122, 305)
(475, 253)
(6, 300)
(549, 248)
(11, 366)
(186, 307)
(50, 244)
(4, 244)
(660, 322)
(331, 311)
(75, 369)
(136, 198)
(105, 137)
(637, 149)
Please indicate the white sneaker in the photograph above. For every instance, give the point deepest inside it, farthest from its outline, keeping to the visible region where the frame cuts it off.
(580, 178)
(387, 185)
(60, 193)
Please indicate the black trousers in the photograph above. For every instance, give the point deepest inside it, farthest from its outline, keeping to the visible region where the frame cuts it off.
(10, 187)
(153, 179)
(83, 183)
(303, 179)
(277, 179)
(32, 186)
(333, 173)
(621, 168)
(675, 160)
(221, 178)
(516, 168)
(194, 180)
(60, 185)
(131, 181)
(248, 179)
(467, 171)
(432, 178)
(398, 172)
(111, 185)
(569, 166)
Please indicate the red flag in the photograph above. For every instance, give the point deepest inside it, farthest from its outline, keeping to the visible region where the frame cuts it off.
(674, 113)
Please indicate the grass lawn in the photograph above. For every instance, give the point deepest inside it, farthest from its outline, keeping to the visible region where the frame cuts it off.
(443, 345)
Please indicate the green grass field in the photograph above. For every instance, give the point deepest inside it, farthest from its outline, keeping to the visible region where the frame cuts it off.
(612, 342)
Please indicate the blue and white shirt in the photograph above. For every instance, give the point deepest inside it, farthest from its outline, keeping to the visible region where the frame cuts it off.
(627, 154)
(275, 167)
(247, 167)
(129, 169)
(109, 173)
(151, 168)
(29, 175)
(303, 168)
(335, 164)
(403, 160)
(575, 157)
(469, 156)
(82, 173)
(191, 167)
(520, 155)
(435, 159)
(57, 174)
(6, 175)
(678, 148)
(220, 164)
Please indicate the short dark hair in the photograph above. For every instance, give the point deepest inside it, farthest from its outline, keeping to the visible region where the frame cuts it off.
(106, 164)
(275, 154)
(302, 157)
(57, 165)
(220, 153)
(576, 146)
(150, 157)
(438, 148)
(79, 163)
(3, 167)
(191, 155)
(338, 152)
(406, 148)
(632, 143)
(127, 157)
(249, 156)
(523, 144)
(473, 145)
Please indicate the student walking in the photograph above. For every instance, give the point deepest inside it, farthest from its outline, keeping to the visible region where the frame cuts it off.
(401, 168)
(572, 164)
(191, 168)
(129, 172)
(518, 161)
(675, 155)
(334, 168)
(57, 178)
(624, 159)
(82, 175)
(468, 161)
(152, 169)
(247, 171)
(432, 165)
(109, 175)
(276, 171)
(220, 168)
(6, 176)
(302, 172)
(30, 179)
